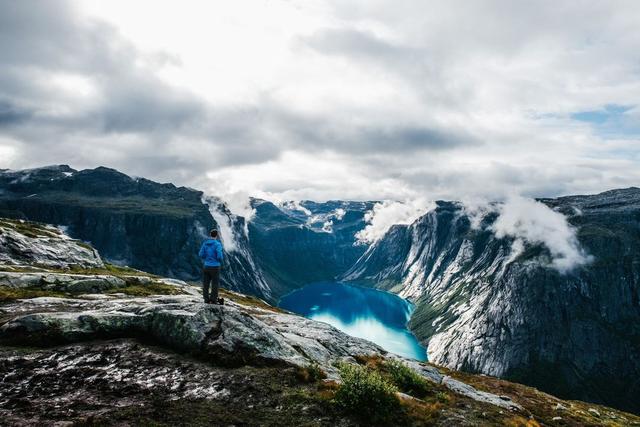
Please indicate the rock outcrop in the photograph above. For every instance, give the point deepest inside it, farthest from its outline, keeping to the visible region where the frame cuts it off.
(233, 334)
(23, 242)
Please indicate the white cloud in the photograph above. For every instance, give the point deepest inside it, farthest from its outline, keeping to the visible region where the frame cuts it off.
(224, 221)
(527, 220)
(325, 99)
(388, 213)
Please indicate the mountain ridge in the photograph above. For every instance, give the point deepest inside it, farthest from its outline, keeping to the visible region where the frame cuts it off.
(477, 308)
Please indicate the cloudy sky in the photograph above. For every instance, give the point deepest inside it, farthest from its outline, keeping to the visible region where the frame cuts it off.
(328, 99)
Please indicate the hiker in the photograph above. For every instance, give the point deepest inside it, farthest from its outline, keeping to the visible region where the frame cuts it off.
(211, 255)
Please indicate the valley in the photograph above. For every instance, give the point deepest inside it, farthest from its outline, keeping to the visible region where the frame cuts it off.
(562, 318)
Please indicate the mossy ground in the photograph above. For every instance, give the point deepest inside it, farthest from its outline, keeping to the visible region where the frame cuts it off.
(155, 288)
(133, 287)
(11, 294)
(543, 408)
(246, 300)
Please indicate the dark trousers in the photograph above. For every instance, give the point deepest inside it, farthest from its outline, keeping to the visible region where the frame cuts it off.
(210, 276)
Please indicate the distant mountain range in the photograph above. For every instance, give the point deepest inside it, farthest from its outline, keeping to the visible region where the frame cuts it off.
(486, 301)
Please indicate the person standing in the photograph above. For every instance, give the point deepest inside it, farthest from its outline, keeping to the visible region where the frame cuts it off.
(211, 255)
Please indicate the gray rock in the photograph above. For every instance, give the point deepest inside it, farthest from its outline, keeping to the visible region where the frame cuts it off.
(30, 243)
(73, 283)
(481, 396)
(232, 334)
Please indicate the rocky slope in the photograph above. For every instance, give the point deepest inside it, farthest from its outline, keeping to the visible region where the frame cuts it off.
(126, 348)
(484, 307)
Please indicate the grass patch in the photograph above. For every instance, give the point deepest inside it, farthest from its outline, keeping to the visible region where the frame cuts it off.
(8, 294)
(11, 294)
(247, 300)
(367, 394)
(543, 406)
(311, 373)
(140, 290)
(112, 269)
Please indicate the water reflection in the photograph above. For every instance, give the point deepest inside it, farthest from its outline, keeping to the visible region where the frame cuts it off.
(366, 313)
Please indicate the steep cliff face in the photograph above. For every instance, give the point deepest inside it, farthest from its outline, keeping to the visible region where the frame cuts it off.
(305, 242)
(484, 307)
(132, 221)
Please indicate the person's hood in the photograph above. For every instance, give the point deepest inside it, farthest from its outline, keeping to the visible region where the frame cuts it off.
(210, 242)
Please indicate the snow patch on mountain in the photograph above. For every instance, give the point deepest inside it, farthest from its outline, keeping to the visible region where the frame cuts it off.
(326, 220)
(295, 205)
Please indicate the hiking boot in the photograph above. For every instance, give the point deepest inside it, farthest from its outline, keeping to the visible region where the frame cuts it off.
(221, 301)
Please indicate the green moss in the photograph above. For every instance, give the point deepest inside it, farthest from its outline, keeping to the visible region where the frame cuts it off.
(84, 245)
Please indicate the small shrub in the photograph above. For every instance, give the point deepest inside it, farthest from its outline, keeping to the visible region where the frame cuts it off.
(311, 373)
(406, 379)
(365, 393)
(443, 397)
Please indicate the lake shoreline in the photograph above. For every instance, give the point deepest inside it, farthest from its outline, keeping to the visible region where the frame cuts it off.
(376, 315)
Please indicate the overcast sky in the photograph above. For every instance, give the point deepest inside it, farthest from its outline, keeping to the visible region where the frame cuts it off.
(328, 99)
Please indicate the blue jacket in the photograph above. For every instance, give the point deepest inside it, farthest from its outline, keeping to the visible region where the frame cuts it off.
(211, 253)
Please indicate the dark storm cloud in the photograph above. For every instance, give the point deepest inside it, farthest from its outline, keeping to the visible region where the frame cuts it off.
(415, 139)
(11, 114)
(315, 133)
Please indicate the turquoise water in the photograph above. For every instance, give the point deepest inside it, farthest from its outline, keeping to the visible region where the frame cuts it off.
(377, 316)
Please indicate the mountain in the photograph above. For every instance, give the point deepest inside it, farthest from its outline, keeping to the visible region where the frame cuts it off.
(159, 227)
(304, 242)
(563, 315)
(131, 221)
(482, 307)
(85, 342)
